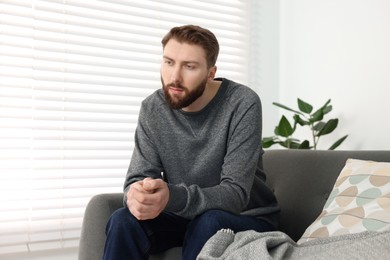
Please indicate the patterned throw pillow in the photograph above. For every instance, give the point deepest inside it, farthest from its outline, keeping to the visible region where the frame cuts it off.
(360, 201)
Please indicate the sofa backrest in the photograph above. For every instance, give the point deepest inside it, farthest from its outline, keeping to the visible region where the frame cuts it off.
(303, 179)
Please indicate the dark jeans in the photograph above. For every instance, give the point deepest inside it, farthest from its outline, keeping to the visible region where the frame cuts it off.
(128, 238)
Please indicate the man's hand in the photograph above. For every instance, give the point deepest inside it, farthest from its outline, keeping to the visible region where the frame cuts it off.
(146, 199)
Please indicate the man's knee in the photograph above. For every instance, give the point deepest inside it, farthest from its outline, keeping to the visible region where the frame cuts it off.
(212, 220)
(121, 220)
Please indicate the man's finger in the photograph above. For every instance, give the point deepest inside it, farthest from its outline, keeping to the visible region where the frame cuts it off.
(152, 184)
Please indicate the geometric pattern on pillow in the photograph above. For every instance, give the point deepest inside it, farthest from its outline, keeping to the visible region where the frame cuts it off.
(359, 201)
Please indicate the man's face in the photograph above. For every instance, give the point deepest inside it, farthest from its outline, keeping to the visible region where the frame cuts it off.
(184, 73)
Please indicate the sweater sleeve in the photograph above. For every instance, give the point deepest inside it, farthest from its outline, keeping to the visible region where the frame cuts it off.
(145, 161)
(238, 170)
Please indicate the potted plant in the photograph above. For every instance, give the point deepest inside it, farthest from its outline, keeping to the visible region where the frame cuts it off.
(304, 117)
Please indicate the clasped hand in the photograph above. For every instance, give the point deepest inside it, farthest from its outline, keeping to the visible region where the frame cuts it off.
(146, 199)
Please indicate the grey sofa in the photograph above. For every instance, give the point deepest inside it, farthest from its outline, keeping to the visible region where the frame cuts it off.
(301, 180)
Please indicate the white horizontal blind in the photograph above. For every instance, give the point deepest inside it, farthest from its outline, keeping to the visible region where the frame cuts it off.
(73, 74)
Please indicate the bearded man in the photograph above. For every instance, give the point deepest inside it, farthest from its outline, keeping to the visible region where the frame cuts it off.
(197, 163)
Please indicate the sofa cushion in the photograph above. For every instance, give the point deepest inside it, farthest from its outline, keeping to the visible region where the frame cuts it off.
(360, 201)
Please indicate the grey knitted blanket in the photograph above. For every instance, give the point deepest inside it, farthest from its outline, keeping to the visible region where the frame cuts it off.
(277, 245)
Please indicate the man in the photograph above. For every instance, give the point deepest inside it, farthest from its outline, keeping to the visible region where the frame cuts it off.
(194, 166)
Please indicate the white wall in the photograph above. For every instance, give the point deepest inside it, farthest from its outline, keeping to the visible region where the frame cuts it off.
(339, 49)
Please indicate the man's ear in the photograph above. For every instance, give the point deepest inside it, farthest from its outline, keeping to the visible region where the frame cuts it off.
(212, 72)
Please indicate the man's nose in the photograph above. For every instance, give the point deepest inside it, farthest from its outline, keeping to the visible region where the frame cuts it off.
(176, 74)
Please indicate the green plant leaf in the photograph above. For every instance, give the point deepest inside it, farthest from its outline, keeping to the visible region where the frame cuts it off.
(304, 117)
(317, 116)
(284, 128)
(327, 109)
(338, 142)
(270, 138)
(322, 110)
(326, 104)
(290, 143)
(287, 108)
(268, 141)
(304, 145)
(294, 145)
(284, 144)
(304, 106)
(328, 127)
(267, 144)
(318, 126)
(300, 121)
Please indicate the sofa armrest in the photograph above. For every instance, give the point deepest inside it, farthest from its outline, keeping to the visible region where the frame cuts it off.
(97, 213)
(93, 235)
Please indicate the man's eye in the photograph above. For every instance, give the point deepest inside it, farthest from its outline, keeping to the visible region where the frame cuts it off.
(190, 67)
(168, 62)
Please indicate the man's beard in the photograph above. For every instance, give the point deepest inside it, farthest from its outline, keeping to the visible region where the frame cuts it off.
(187, 99)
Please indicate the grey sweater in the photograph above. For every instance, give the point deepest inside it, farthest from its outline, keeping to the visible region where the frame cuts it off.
(210, 158)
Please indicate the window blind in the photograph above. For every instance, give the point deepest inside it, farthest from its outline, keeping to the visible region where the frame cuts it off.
(73, 74)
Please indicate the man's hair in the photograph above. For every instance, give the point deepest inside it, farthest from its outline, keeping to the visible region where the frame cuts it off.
(193, 34)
